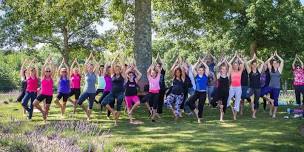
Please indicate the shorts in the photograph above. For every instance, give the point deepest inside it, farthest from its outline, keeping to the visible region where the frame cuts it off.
(48, 99)
(76, 92)
(65, 96)
(130, 100)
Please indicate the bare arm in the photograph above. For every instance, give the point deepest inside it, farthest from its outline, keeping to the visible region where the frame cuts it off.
(302, 65)
(294, 62)
(281, 64)
(206, 68)
(138, 74)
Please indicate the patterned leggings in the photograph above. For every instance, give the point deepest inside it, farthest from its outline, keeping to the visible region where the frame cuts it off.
(177, 99)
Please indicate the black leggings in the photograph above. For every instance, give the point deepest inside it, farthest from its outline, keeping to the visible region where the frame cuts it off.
(162, 93)
(201, 96)
(20, 97)
(221, 97)
(298, 91)
(154, 100)
(257, 94)
(104, 94)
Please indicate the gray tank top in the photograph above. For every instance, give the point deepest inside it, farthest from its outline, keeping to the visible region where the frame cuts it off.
(275, 80)
(90, 80)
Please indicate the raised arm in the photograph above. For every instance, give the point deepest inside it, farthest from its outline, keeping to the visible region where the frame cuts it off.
(242, 63)
(268, 62)
(294, 62)
(247, 64)
(281, 62)
(206, 68)
(138, 74)
(301, 62)
(261, 65)
(173, 67)
(22, 74)
(59, 67)
(149, 70)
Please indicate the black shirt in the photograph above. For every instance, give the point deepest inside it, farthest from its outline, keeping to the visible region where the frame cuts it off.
(255, 78)
(131, 88)
(117, 84)
(23, 85)
(244, 79)
(223, 83)
(188, 83)
(162, 83)
(178, 87)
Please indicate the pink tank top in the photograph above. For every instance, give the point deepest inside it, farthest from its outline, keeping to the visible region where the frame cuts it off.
(154, 84)
(236, 79)
(47, 86)
(75, 81)
(32, 84)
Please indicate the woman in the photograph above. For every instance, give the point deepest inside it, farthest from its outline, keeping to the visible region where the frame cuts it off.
(298, 79)
(108, 87)
(101, 83)
(117, 91)
(31, 88)
(46, 89)
(162, 85)
(177, 92)
(89, 90)
(276, 67)
(23, 74)
(153, 75)
(222, 93)
(235, 74)
(254, 69)
(63, 86)
(131, 98)
(75, 83)
(201, 73)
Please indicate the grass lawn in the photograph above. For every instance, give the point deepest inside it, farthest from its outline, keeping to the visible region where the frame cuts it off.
(245, 134)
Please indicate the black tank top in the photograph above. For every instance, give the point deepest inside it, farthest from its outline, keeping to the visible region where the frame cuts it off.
(178, 87)
(131, 88)
(117, 84)
(255, 82)
(223, 83)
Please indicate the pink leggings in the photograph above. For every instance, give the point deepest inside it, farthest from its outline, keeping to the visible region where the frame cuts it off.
(130, 100)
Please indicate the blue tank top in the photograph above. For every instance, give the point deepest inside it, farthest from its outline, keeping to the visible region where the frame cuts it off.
(201, 83)
(90, 80)
(64, 85)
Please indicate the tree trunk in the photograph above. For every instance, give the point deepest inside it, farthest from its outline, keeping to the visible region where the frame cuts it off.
(143, 38)
(66, 50)
(253, 48)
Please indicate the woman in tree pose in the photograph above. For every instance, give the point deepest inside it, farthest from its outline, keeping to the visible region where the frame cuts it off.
(89, 91)
(63, 86)
(75, 82)
(46, 89)
(153, 75)
(235, 73)
(107, 88)
(254, 68)
(201, 73)
(117, 91)
(175, 98)
(162, 85)
(101, 82)
(133, 76)
(298, 79)
(31, 87)
(276, 67)
(222, 93)
(23, 76)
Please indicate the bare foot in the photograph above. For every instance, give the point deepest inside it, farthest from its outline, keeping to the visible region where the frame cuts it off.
(199, 120)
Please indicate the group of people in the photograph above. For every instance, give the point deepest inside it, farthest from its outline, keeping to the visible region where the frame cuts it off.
(229, 82)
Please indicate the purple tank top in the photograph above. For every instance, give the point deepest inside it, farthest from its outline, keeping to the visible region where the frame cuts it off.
(64, 85)
(108, 80)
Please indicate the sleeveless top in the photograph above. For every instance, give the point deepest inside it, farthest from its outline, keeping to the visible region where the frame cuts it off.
(178, 87)
(275, 79)
(298, 77)
(255, 80)
(101, 82)
(108, 81)
(64, 85)
(90, 80)
(131, 88)
(117, 84)
(23, 85)
(47, 86)
(32, 84)
(201, 83)
(75, 81)
(223, 84)
(236, 79)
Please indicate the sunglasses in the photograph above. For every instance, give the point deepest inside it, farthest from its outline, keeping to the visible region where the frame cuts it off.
(64, 71)
(47, 71)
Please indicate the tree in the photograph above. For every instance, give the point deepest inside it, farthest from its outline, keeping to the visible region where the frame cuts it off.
(63, 24)
(143, 35)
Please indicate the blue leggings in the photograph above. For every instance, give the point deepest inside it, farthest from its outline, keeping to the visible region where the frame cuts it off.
(274, 94)
(110, 99)
(85, 96)
(29, 96)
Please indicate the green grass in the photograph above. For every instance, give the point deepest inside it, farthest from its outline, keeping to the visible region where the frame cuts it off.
(245, 134)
